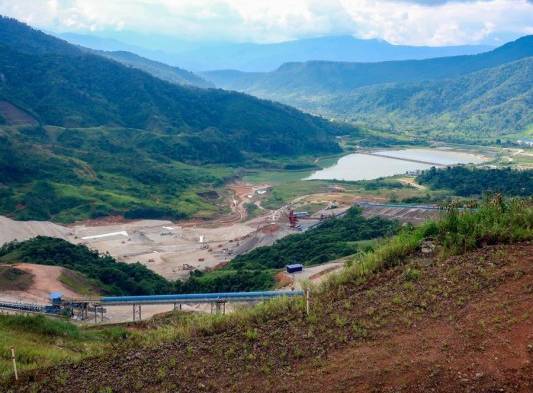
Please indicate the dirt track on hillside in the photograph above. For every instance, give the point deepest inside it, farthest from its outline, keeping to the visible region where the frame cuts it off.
(485, 347)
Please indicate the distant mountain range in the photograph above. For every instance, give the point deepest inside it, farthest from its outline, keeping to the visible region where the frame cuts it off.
(267, 57)
(337, 77)
(336, 89)
(129, 55)
(481, 104)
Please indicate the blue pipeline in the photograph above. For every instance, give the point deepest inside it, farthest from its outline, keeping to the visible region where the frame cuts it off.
(201, 296)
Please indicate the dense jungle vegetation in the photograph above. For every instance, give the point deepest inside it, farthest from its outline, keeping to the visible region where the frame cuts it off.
(466, 182)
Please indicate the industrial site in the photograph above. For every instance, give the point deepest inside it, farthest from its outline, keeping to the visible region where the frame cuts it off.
(175, 249)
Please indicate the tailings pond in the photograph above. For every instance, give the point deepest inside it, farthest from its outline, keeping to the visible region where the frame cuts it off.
(368, 166)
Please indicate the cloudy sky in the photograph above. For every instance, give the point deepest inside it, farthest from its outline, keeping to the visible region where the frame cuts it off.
(427, 22)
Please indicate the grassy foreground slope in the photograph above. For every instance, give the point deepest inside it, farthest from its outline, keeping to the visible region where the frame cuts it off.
(43, 341)
(396, 319)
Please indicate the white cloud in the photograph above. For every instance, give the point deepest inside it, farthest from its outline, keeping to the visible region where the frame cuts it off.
(433, 22)
(448, 23)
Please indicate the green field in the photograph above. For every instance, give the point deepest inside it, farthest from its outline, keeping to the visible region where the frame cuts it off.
(42, 341)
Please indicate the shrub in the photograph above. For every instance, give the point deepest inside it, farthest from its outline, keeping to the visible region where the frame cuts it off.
(495, 221)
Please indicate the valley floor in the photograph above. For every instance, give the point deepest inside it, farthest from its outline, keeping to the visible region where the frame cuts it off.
(461, 324)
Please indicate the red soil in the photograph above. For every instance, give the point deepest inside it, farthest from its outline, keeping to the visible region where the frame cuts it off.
(464, 325)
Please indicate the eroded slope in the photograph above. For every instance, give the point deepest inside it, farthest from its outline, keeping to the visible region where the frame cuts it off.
(454, 325)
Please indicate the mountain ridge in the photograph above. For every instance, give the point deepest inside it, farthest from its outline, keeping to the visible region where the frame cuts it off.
(266, 57)
(326, 76)
(487, 102)
(137, 99)
(159, 70)
(344, 91)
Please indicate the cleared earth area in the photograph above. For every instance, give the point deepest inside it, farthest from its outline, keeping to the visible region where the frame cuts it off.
(170, 249)
(43, 278)
(173, 249)
(461, 324)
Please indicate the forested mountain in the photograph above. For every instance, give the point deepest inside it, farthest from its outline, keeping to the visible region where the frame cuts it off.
(453, 93)
(88, 91)
(123, 54)
(200, 56)
(162, 71)
(486, 103)
(64, 86)
(105, 138)
(18, 35)
(322, 77)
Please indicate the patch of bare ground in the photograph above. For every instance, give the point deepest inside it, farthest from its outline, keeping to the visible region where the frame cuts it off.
(463, 324)
(44, 279)
(13, 279)
(15, 115)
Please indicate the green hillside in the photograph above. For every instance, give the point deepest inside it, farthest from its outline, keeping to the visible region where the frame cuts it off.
(468, 182)
(483, 95)
(486, 103)
(331, 240)
(159, 70)
(323, 77)
(110, 276)
(88, 91)
(112, 139)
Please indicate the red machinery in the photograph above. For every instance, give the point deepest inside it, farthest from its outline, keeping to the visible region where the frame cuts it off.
(293, 220)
